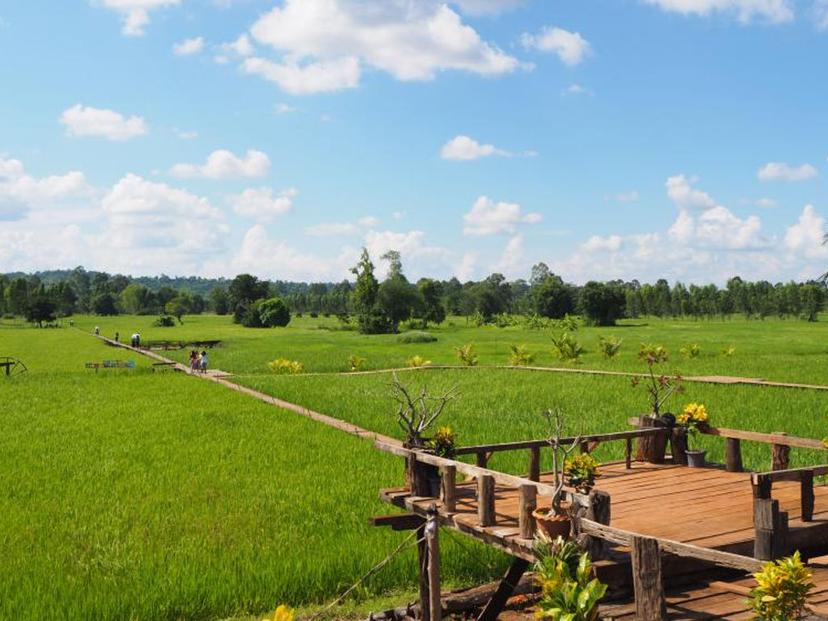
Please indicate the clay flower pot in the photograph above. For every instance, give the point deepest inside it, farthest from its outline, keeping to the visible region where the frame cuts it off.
(696, 459)
(552, 525)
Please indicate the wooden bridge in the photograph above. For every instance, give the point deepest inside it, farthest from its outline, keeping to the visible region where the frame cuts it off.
(646, 524)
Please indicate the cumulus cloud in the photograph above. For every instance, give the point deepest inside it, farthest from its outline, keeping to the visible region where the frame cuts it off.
(86, 121)
(596, 243)
(780, 171)
(772, 11)
(323, 44)
(806, 236)
(465, 148)
(135, 13)
(570, 47)
(489, 218)
(188, 47)
(487, 7)
(20, 191)
(511, 262)
(819, 14)
(681, 192)
(223, 164)
(261, 204)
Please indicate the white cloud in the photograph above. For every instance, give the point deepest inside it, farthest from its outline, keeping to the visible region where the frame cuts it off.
(489, 218)
(188, 47)
(570, 47)
(681, 192)
(135, 13)
(765, 203)
(332, 229)
(511, 262)
(465, 270)
(399, 215)
(261, 204)
(773, 11)
(596, 243)
(628, 197)
(780, 171)
(240, 48)
(819, 14)
(577, 89)
(325, 43)
(306, 78)
(223, 164)
(807, 235)
(84, 121)
(417, 255)
(283, 108)
(186, 135)
(465, 148)
(487, 7)
(369, 222)
(20, 192)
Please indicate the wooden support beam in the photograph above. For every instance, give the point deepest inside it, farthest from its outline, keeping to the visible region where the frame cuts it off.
(504, 590)
(628, 453)
(806, 483)
(762, 486)
(432, 532)
(733, 455)
(399, 521)
(534, 463)
(486, 500)
(528, 503)
(448, 491)
(598, 512)
(422, 562)
(417, 475)
(771, 540)
(481, 459)
(647, 584)
(780, 456)
(678, 445)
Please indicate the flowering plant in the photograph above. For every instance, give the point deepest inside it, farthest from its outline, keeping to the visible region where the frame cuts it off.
(444, 442)
(283, 613)
(581, 471)
(659, 387)
(693, 418)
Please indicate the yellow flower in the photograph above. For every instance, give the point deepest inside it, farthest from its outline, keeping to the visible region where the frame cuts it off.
(283, 613)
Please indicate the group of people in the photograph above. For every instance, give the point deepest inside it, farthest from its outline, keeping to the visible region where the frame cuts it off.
(198, 362)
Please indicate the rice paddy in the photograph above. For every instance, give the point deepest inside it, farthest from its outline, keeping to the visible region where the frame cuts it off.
(129, 493)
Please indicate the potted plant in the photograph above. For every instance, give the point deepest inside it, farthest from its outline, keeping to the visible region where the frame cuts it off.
(659, 387)
(554, 520)
(581, 471)
(781, 591)
(443, 444)
(417, 413)
(569, 589)
(693, 419)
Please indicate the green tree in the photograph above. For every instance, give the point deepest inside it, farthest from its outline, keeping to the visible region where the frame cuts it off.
(553, 298)
(244, 290)
(17, 296)
(274, 313)
(104, 304)
(812, 299)
(137, 299)
(371, 319)
(178, 306)
(601, 303)
(41, 309)
(219, 301)
(431, 308)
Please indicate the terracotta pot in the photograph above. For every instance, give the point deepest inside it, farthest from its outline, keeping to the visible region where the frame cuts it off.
(696, 459)
(552, 525)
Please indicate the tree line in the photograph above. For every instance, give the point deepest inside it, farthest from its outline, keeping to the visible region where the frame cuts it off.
(375, 306)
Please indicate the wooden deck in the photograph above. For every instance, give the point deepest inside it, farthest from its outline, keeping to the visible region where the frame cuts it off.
(706, 507)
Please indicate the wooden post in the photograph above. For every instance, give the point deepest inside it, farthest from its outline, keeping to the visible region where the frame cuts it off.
(534, 463)
(504, 589)
(432, 531)
(771, 529)
(528, 503)
(628, 453)
(678, 445)
(486, 500)
(449, 488)
(417, 476)
(422, 559)
(481, 459)
(780, 454)
(762, 486)
(652, 447)
(599, 511)
(646, 569)
(733, 455)
(807, 495)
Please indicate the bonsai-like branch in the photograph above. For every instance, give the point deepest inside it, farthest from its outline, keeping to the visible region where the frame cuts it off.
(560, 452)
(416, 413)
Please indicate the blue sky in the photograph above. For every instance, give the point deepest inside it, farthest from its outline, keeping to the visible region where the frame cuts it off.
(683, 139)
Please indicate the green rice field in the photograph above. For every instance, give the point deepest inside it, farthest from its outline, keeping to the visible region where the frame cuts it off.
(136, 494)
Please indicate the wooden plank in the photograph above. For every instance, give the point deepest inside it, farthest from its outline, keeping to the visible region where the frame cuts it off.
(765, 438)
(792, 474)
(399, 521)
(647, 584)
(526, 444)
(504, 590)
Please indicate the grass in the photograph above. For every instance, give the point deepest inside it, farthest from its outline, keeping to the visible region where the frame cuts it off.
(133, 494)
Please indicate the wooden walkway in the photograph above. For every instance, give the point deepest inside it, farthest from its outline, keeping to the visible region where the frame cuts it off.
(706, 507)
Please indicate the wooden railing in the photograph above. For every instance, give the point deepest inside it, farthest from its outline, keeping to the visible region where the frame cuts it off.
(780, 444)
(419, 463)
(484, 452)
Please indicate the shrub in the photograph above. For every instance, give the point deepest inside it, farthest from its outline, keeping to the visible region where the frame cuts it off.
(781, 590)
(274, 313)
(568, 348)
(355, 362)
(729, 351)
(520, 356)
(609, 346)
(164, 321)
(283, 366)
(466, 355)
(414, 324)
(570, 590)
(444, 442)
(581, 471)
(536, 322)
(416, 413)
(691, 351)
(416, 337)
(418, 361)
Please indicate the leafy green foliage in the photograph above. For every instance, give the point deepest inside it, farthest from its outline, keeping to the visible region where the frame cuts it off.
(691, 351)
(581, 471)
(520, 356)
(416, 336)
(164, 321)
(570, 590)
(355, 362)
(444, 442)
(418, 361)
(283, 366)
(602, 304)
(274, 313)
(568, 347)
(466, 355)
(609, 346)
(781, 590)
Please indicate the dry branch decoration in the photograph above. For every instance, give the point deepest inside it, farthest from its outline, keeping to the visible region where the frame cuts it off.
(417, 412)
(560, 453)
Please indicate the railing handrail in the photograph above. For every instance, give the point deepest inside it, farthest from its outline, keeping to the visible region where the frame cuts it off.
(501, 478)
(528, 444)
(792, 474)
(779, 439)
